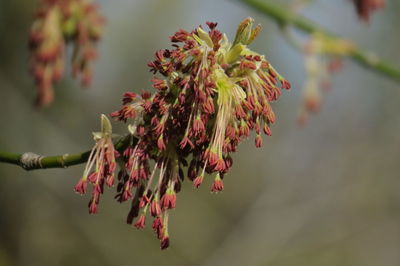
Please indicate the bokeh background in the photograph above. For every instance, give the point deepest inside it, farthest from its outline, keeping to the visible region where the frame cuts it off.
(326, 194)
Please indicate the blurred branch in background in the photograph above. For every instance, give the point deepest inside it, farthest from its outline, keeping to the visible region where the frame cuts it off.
(285, 16)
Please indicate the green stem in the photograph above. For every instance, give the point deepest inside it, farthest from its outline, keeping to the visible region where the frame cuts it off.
(58, 161)
(284, 16)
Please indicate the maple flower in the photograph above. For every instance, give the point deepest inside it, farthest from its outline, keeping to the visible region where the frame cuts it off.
(209, 95)
(57, 23)
(47, 52)
(323, 58)
(101, 165)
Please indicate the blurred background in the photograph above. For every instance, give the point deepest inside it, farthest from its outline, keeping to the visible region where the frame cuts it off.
(325, 194)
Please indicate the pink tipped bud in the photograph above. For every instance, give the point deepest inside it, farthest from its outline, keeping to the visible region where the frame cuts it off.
(168, 200)
(208, 106)
(140, 223)
(127, 194)
(81, 186)
(93, 177)
(161, 143)
(220, 166)
(110, 180)
(158, 227)
(285, 84)
(128, 97)
(212, 158)
(164, 242)
(218, 185)
(144, 201)
(185, 141)
(92, 206)
(197, 181)
(198, 125)
(159, 84)
(267, 130)
(155, 209)
(258, 141)
(211, 25)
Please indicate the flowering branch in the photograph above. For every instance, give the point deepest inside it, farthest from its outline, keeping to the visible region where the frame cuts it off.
(210, 94)
(287, 17)
(32, 161)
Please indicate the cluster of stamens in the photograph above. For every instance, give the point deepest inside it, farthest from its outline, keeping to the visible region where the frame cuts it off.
(210, 95)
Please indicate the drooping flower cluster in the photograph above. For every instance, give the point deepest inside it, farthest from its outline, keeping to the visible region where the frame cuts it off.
(209, 96)
(323, 57)
(366, 7)
(101, 165)
(58, 22)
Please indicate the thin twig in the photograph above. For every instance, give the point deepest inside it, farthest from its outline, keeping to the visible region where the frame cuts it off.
(284, 16)
(32, 161)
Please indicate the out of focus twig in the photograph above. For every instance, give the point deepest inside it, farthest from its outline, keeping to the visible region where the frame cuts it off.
(284, 16)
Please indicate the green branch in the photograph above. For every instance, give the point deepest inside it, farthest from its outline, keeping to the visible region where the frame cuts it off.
(284, 16)
(32, 161)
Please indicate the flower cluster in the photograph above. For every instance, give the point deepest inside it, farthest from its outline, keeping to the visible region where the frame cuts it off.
(56, 23)
(210, 94)
(323, 57)
(366, 7)
(101, 165)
